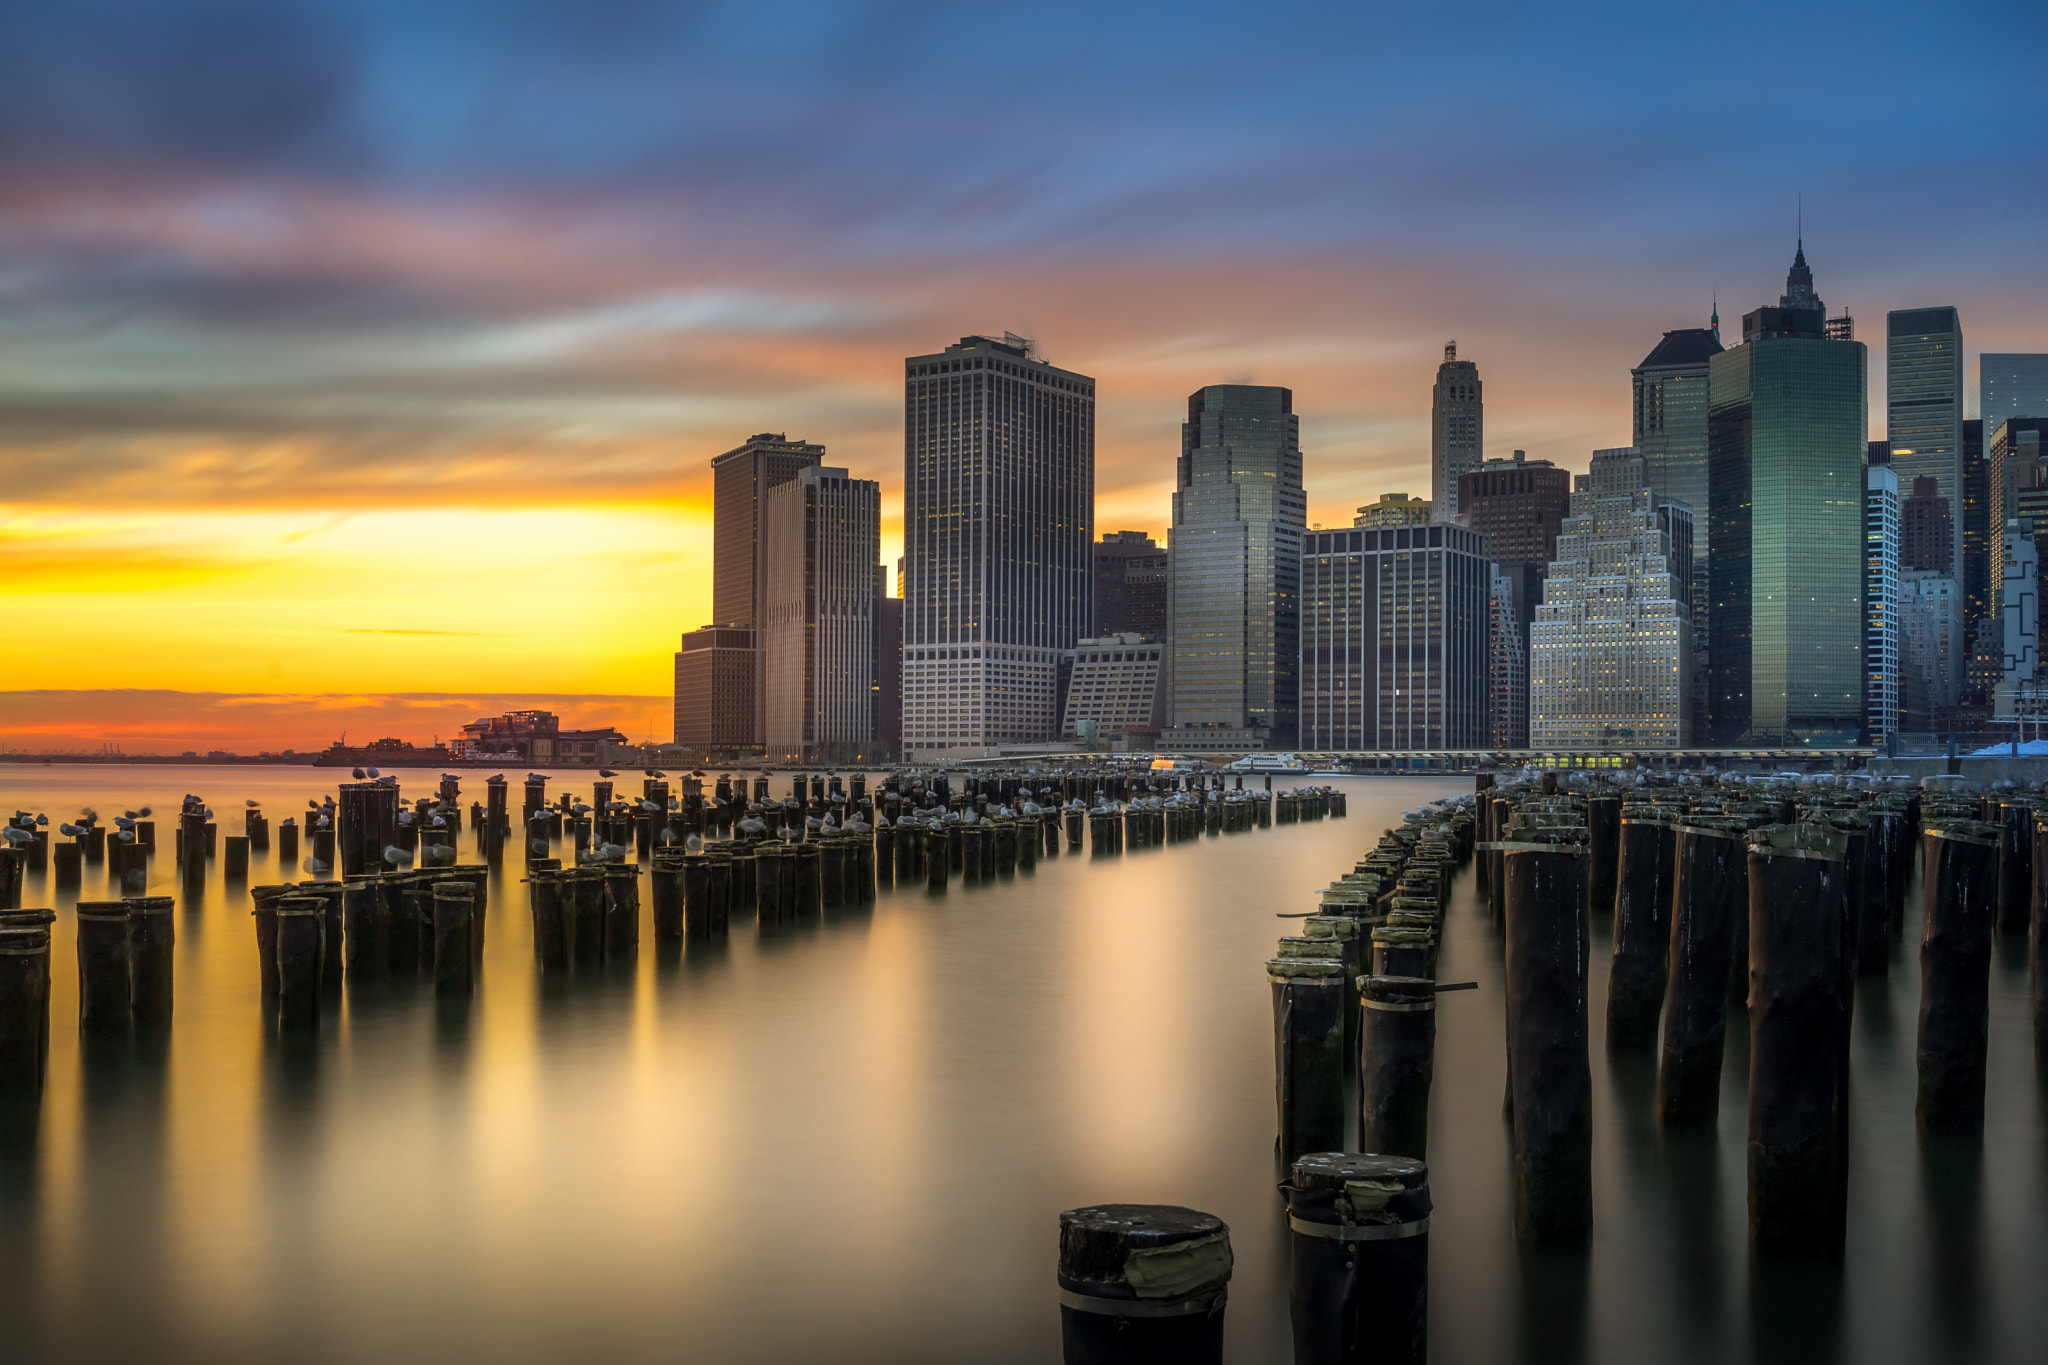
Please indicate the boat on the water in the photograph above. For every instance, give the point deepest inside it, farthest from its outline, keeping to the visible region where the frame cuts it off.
(1267, 763)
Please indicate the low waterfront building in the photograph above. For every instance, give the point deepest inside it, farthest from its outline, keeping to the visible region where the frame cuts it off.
(1112, 690)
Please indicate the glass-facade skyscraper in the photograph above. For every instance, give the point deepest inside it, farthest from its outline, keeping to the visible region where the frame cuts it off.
(1234, 593)
(821, 538)
(1881, 630)
(1787, 428)
(2010, 385)
(1924, 400)
(998, 541)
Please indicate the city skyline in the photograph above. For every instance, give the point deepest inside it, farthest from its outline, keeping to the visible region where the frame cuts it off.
(270, 301)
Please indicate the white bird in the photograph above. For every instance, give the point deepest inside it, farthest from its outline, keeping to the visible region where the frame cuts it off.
(694, 844)
(373, 772)
(324, 823)
(22, 836)
(252, 803)
(439, 855)
(316, 867)
(397, 856)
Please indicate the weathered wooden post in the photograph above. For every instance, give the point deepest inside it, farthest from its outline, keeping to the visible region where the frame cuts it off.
(1883, 880)
(1963, 897)
(1142, 1284)
(1308, 1044)
(622, 912)
(1642, 930)
(152, 943)
(2015, 865)
(1549, 1072)
(1797, 905)
(1360, 1288)
(366, 929)
(234, 861)
(103, 974)
(550, 928)
(24, 1003)
(1709, 891)
(1396, 1061)
(1603, 849)
(300, 938)
(454, 961)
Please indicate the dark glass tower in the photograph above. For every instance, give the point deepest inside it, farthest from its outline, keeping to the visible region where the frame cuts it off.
(1786, 435)
(1235, 574)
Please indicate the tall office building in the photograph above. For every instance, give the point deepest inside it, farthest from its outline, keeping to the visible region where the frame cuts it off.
(1930, 647)
(1394, 638)
(2020, 601)
(1610, 655)
(1519, 504)
(1130, 584)
(1507, 668)
(2012, 462)
(1671, 418)
(1457, 429)
(998, 534)
(716, 670)
(1786, 433)
(2010, 385)
(1881, 643)
(1239, 513)
(1926, 535)
(821, 538)
(1924, 397)
(740, 481)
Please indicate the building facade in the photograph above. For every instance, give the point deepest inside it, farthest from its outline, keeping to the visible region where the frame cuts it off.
(1787, 431)
(1924, 398)
(537, 737)
(716, 672)
(1610, 654)
(2010, 385)
(1394, 639)
(821, 540)
(2021, 600)
(1930, 647)
(1926, 530)
(1112, 690)
(998, 533)
(1519, 505)
(1239, 513)
(1130, 584)
(1670, 418)
(1507, 667)
(1457, 429)
(1881, 633)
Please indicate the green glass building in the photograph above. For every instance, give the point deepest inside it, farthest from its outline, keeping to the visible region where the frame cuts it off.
(1787, 434)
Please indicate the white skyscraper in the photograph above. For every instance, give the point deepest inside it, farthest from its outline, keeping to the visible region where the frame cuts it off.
(998, 532)
(1610, 653)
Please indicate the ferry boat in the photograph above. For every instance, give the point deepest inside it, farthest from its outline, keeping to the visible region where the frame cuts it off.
(1267, 763)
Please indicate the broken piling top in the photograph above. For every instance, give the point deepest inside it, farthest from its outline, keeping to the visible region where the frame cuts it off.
(1143, 1251)
(1360, 1187)
(1804, 839)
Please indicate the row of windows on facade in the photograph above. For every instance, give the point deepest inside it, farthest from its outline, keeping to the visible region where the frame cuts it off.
(987, 364)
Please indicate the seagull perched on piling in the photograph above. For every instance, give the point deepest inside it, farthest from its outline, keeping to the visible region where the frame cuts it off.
(606, 772)
(373, 772)
(358, 774)
(396, 856)
(18, 836)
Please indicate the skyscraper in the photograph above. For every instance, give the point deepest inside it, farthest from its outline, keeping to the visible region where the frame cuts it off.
(1610, 654)
(1130, 584)
(1394, 638)
(821, 540)
(998, 529)
(1930, 647)
(1671, 418)
(1926, 532)
(1881, 638)
(2010, 385)
(1457, 429)
(740, 481)
(2020, 600)
(1507, 667)
(1239, 513)
(1787, 429)
(1519, 505)
(1924, 398)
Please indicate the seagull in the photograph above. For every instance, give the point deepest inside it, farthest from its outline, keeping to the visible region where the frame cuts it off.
(440, 855)
(252, 803)
(540, 848)
(373, 772)
(606, 772)
(656, 772)
(324, 823)
(316, 867)
(358, 774)
(22, 836)
(397, 856)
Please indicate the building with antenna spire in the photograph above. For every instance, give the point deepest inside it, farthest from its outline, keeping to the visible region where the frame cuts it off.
(1457, 430)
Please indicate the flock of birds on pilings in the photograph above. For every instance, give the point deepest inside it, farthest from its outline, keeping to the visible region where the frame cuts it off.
(386, 897)
(1724, 893)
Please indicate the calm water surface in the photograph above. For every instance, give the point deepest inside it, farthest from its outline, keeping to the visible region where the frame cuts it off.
(850, 1142)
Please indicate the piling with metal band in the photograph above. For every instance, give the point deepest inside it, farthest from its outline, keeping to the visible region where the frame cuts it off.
(937, 859)
(299, 947)
(103, 978)
(405, 902)
(2015, 866)
(366, 929)
(1142, 1284)
(769, 867)
(1797, 909)
(1360, 1234)
(24, 1003)
(1709, 892)
(1647, 852)
(665, 895)
(264, 918)
(622, 912)
(332, 928)
(1400, 951)
(832, 862)
(152, 943)
(454, 961)
(1396, 1061)
(1961, 887)
(1308, 1050)
(192, 844)
(584, 912)
(1549, 1072)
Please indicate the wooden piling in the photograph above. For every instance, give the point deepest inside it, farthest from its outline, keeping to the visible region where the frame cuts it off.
(1360, 1286)
(366, 930)
(1396, 1061)
(152, 945)
(1142, 1284)
(300, 940)
(103, 978)
(1647, 850)
(24, 1003)
(550, 931)
(1963, 898)
(1549, 1071)
(1308, 1043)
(454, 960)
(1709, 892)
(622, 912)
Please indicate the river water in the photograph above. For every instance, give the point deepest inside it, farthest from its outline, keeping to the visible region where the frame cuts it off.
(851, 1141)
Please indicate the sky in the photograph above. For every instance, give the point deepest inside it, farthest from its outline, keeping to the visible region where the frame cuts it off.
(361, 363)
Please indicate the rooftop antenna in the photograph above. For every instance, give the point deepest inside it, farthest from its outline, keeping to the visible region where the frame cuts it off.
(1450, 350)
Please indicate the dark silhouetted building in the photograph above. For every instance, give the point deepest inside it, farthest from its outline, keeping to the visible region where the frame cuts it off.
(1457, 430)
(1926, 537)
(1130, 584)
